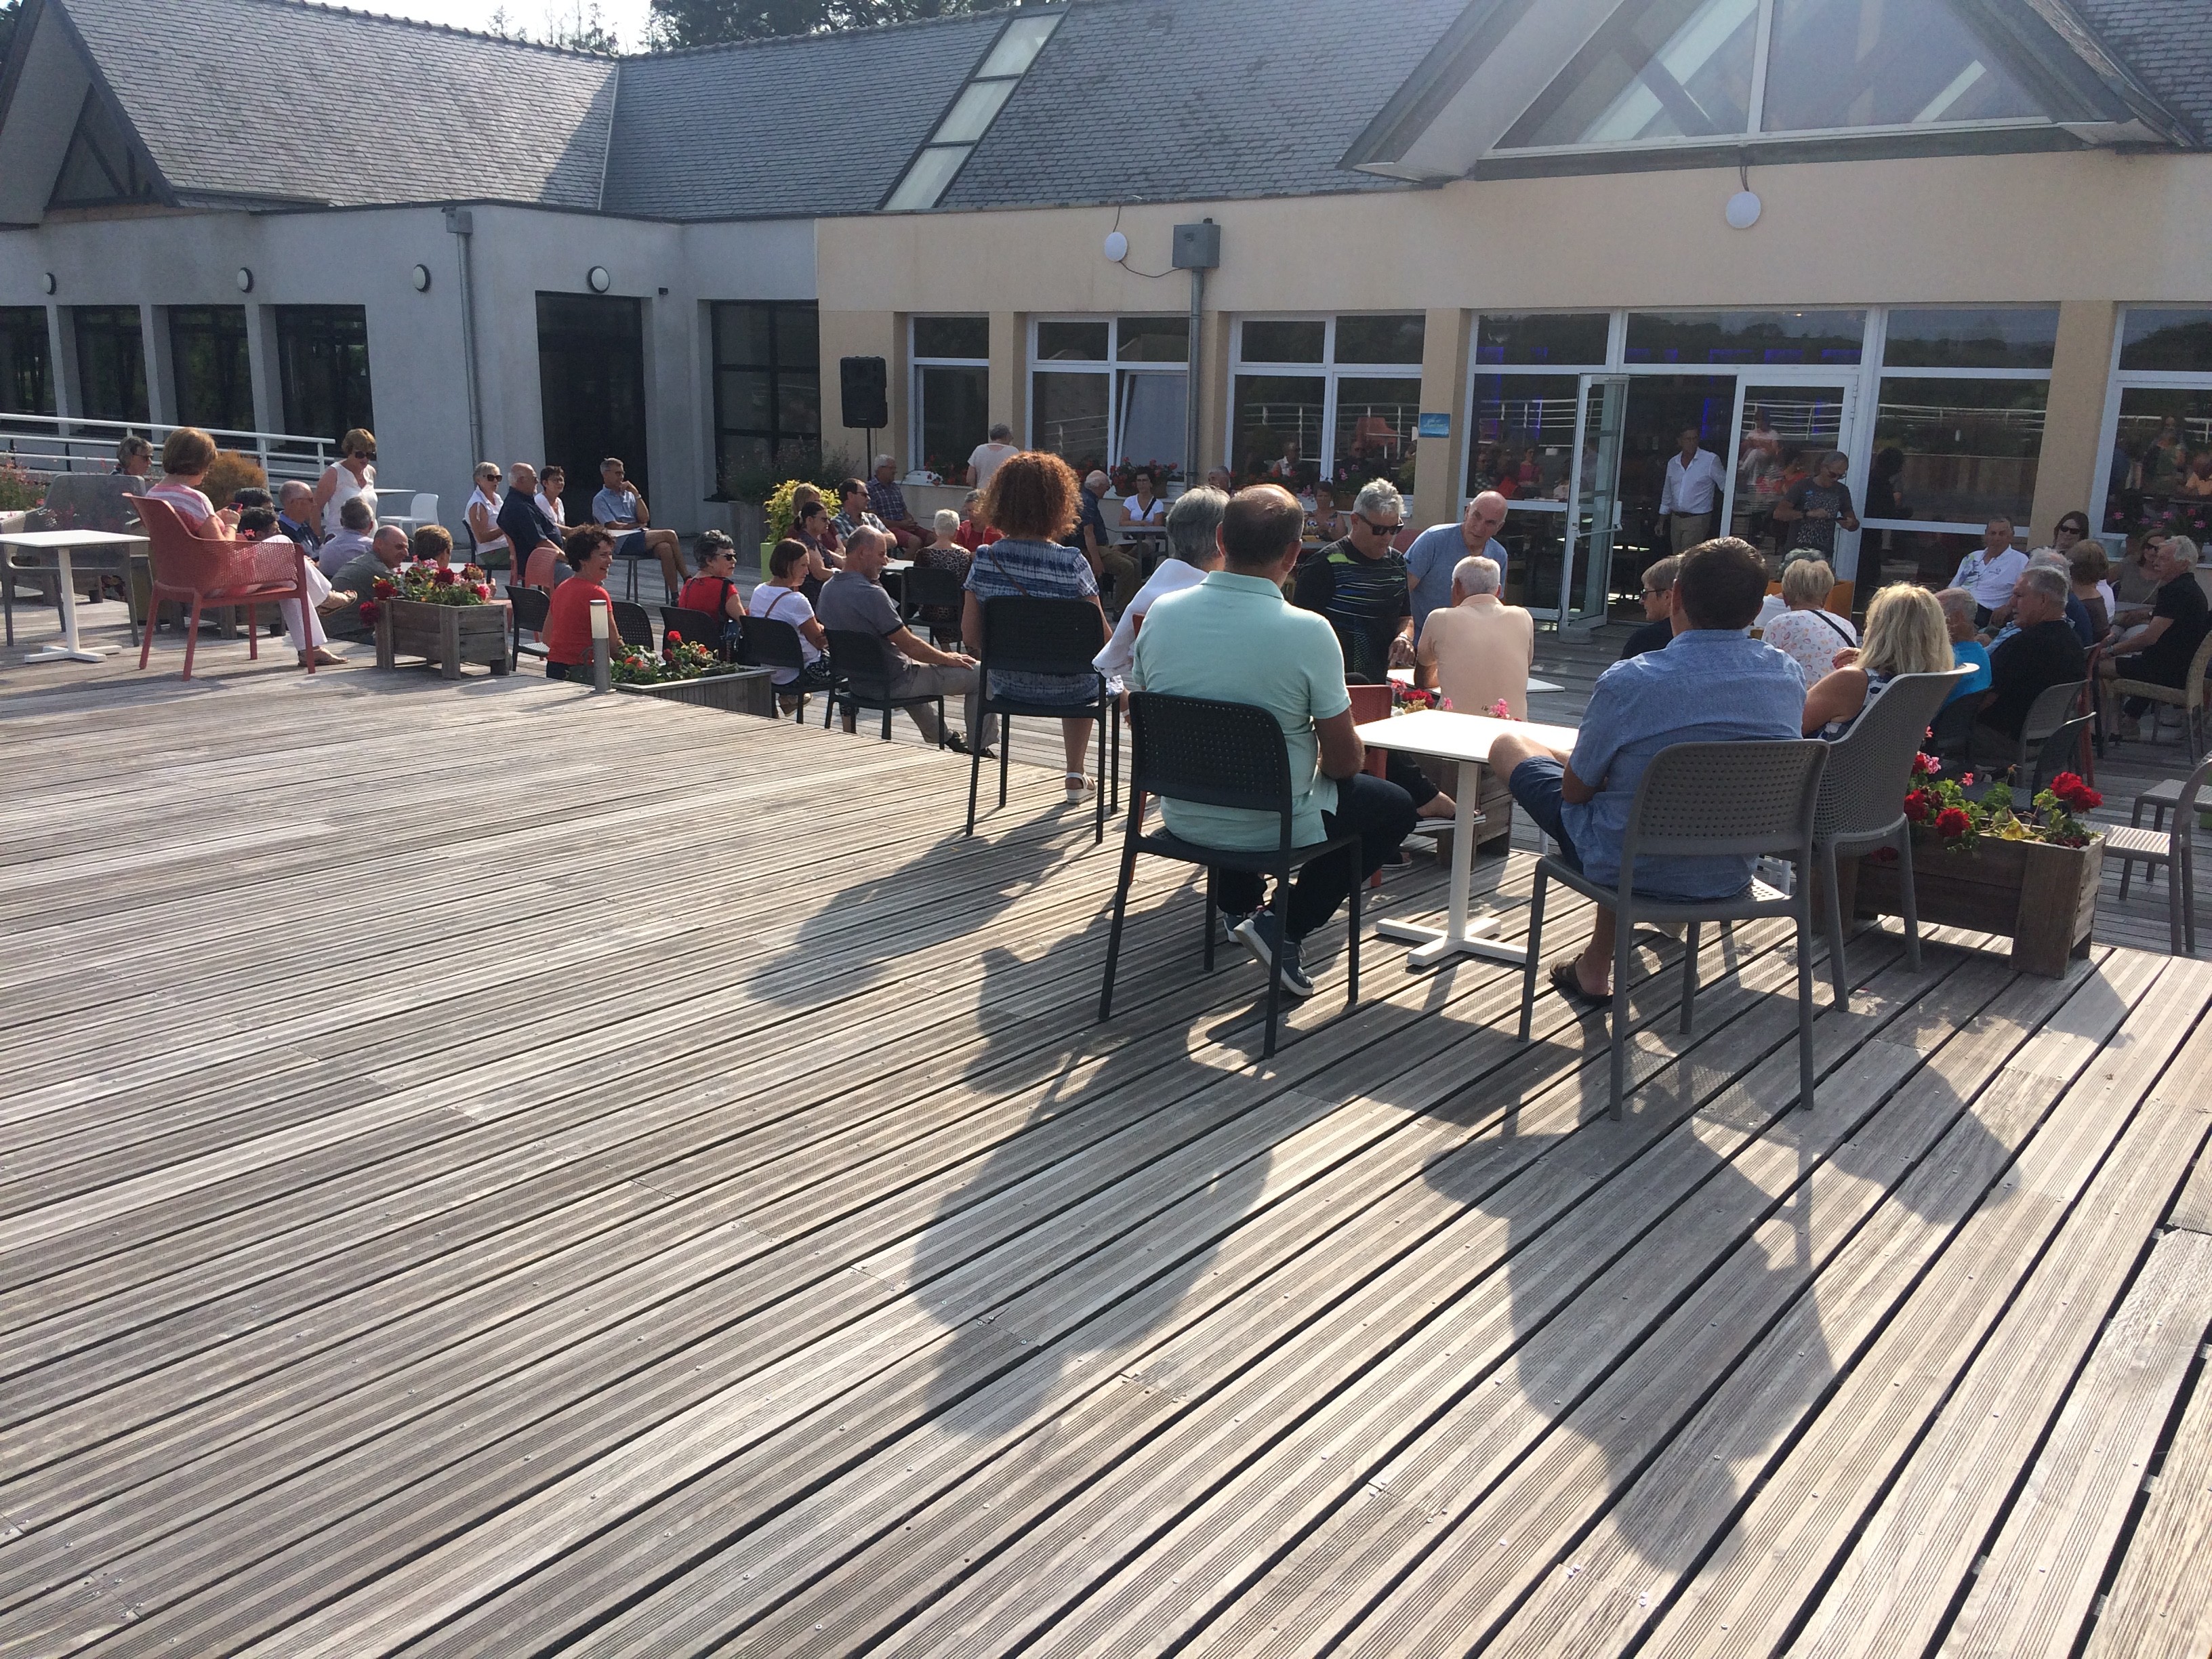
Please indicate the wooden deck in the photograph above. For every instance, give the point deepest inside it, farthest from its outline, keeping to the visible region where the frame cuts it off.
(489, 1170)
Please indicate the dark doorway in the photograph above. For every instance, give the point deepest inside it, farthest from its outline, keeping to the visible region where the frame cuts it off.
(111, 364)
(27, 373)
(215, 378)
(1659, 407)
(590, 379)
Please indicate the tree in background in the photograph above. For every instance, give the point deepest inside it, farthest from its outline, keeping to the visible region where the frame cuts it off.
(579, 26)
(710, 22)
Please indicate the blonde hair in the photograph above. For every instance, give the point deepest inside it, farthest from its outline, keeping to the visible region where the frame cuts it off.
(187, 452)
(1906, 634)
(1807, 583)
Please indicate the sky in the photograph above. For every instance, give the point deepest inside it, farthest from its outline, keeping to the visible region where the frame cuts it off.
(626, 17)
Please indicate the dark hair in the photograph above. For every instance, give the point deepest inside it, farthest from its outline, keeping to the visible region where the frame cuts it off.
(251, 496)
(2076, 517)
(807, 510)
(1031, 497)
(583, 542)
(257, 520)
(357, 513)
(788, 557)
(851, 487)
(432, 541)
(1258, 525)
(1721, 583)
(712, 544)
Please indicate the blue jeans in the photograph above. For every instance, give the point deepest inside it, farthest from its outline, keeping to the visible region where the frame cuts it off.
(1535, 785)
(1377, 810)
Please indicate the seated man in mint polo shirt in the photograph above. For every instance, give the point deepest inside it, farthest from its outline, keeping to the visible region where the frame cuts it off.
(1233, 638)
(1712, 684)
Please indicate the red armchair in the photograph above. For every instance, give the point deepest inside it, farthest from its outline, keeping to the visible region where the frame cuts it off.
(198, 570)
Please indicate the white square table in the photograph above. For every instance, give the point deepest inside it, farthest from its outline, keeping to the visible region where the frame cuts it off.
(1465, 738)
(61, 544)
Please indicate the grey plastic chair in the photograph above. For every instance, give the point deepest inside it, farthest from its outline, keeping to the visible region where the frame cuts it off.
(1704, 800)
(1862, 798)
(2172, 847)
(2053, 708)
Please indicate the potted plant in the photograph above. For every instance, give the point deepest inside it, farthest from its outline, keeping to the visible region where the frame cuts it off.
(688, 671)
(1978, 863)
(443, 616)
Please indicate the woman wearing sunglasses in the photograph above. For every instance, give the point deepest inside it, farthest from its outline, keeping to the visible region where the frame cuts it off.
(353, 473)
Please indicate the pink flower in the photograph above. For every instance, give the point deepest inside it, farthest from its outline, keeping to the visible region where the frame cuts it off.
(1501, 710)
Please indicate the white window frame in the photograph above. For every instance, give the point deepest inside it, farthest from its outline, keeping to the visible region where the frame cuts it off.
(1755, 119)
(916, 362)
(1328, 371)
(1107, 369)
(2119, 380)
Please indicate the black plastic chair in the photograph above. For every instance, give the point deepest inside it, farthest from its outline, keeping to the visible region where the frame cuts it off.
(699, 627)
(633, 623)
(765, 642)
(861, 670)
(1704, 800)
(928, 586)
(1039, 636)
(527, 611)
(1219, 753)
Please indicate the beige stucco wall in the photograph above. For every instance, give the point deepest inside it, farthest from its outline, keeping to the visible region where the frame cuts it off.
(2093, 228)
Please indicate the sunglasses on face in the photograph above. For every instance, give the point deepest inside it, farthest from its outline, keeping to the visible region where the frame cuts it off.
(1381, 529)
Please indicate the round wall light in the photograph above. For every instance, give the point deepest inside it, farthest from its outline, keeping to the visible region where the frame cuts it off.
(245, 280)
(1742, 210)
(48, 283)
(1117, 246)
(419, 276)
(598, 278)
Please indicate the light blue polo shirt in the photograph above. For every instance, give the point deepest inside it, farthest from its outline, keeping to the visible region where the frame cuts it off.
(1433, 556)
(1237, 639)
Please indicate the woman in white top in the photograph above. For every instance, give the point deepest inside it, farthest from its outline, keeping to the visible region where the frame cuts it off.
(485, 537)
(778, 599)
(1141, 505)
(353, 473)
(185, 458)
(1810, 635)
(551, 481)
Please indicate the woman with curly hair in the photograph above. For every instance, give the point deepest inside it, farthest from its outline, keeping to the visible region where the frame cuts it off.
(1031, 500)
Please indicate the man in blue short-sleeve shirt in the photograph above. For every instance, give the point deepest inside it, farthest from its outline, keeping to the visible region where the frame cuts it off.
(1712, 684)
(1233, 638)
(1437, 552)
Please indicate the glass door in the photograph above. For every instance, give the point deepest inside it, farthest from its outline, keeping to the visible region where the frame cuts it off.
(1594, 512)
(1783, 431)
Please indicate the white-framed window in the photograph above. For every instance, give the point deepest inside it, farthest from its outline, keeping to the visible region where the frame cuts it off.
(2158, 425)
(1110, 393)
(1666, 73)
(1328, 397)
(950, 393)
(930, 174)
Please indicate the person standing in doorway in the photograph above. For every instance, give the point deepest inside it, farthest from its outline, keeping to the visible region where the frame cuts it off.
(1690, 500)
(989, 457)
(1814, 509)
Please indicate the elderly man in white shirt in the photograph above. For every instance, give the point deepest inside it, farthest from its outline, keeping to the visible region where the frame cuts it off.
(1193, 548)
(1691, 498)
(1989, 572)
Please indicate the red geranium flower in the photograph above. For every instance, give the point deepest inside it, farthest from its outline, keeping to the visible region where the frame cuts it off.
(1917, 805)
(1925, 766)
(484, 589)
(443, 576)
(675, 638)
(369, 612)
(1951, 823)
(382, 588)
(2071, 789)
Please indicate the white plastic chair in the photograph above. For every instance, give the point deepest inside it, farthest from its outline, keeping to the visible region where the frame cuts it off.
(422, 510)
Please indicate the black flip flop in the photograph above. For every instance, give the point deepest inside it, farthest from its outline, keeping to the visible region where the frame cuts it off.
(1564, 982)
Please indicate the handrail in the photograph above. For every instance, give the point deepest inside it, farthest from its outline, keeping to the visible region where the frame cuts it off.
(58, 443)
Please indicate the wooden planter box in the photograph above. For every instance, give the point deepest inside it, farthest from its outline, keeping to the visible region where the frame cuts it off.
(743, 691)
(446, 635)
(2042, 898)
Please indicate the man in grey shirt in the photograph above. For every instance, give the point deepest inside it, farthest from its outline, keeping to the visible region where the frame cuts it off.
(358, 576)
(356, 518)
(852, 601)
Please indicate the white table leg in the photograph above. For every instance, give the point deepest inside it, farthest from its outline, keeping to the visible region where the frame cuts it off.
(70, 650)
(1461, 935)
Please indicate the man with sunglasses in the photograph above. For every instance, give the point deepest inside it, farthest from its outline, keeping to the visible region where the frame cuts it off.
(1360, 585)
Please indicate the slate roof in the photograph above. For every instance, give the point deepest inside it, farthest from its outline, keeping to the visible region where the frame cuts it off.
(2168, 45)
(1138, 100)
(816, 125)
(380, 110)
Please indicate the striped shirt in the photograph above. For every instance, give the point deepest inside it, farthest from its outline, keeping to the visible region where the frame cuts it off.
(1014, 570)
(1364, 600)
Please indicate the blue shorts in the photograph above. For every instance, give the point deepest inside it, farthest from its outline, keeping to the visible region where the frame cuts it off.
(1536, 787)
(631, 546)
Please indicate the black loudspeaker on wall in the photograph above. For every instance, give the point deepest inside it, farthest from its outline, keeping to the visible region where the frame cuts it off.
(864, 386)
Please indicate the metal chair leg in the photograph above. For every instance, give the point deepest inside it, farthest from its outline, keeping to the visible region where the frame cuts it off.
(1114, 932)
(975, 778)
(1006, 748)
(1212, 911)
(1689, 973)
(1535, 954)
(1805, 1000)
(1835, 917)
(1281, 907)
(1352, 952)
(1907, 903)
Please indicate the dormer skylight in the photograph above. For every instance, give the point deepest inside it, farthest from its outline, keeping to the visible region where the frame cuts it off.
(963, 124)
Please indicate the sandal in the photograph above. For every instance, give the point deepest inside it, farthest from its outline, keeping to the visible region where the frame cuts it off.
(1570, 986)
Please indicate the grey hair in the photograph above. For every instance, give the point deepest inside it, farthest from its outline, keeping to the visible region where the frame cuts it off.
(1956, 601)
(1001, 433)
(2048, 558)
(1192, 522)
(2053, 585)
(1478, 572)
(870, 534)
(893, 460)
(1378, 496)
(2182, 550)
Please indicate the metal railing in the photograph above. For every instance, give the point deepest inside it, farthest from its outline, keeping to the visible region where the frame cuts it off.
(48, 444)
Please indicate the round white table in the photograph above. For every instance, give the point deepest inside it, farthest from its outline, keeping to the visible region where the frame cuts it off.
(1465, 738)
(61, 544)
